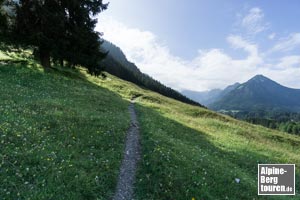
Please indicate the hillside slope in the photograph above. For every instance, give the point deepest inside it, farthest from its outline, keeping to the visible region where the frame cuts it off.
(62, 136)
(117, 64)
(190, 151)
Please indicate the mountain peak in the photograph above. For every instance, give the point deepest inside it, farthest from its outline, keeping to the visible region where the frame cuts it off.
(260, 78)
(260, 93)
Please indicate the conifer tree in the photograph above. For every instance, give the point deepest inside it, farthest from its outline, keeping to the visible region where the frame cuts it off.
(3, 21)
(62, 29)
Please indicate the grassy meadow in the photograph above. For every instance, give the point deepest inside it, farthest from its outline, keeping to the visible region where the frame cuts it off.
(61, 137)
(62, 134)
(191, 152)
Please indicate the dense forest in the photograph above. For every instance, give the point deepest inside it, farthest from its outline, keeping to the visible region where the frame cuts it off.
(283, 121)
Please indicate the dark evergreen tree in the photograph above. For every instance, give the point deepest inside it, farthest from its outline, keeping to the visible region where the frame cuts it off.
(3, 20)
(62, 29)
(7, 13)
(83, 43)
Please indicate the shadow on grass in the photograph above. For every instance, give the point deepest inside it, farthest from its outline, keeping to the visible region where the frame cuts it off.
(181, 163)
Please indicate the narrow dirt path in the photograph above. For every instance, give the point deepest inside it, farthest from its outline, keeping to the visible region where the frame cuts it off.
(124, 190)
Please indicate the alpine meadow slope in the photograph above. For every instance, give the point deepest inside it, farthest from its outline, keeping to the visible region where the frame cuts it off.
(63, 135)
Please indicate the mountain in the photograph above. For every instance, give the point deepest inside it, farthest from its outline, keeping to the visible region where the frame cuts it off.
(260, 93)
(115, 53)
(205, 97)
(208, 97)
(117, 64)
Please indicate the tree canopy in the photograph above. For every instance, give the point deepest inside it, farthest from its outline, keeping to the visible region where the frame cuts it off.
(62, 30)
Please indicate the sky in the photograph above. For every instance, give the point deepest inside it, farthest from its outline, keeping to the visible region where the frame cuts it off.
(201, 45)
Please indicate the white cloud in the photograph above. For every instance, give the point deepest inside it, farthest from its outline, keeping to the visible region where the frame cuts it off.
(287, 44)
(239, 42)
(253, 22)
(289, 62)
(272, 36)
(211, 68)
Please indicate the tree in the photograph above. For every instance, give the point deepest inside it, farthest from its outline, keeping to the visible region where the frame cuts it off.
(61, 29)
(3, 21)
(83, 46)
(7, 15)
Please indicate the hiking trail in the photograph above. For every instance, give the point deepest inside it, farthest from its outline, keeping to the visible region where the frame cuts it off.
(131, 156)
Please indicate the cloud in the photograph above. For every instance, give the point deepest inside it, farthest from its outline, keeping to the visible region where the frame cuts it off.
(253, 22)
(287, 44)
(239, 42)
(289, 62)
(211, 68)
(272, 36)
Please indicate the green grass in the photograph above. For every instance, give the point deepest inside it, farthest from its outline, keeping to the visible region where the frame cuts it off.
(191, 152)
(62, 136)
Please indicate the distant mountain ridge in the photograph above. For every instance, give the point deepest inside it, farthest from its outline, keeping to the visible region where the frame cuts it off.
(259, 93)
(117, 64)
(204, 97)
(208, 97)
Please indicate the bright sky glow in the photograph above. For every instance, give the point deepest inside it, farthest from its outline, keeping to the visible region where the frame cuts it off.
(200, 45)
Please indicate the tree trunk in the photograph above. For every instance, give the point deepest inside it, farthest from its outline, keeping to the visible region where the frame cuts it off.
(61, 62)
(45, 58)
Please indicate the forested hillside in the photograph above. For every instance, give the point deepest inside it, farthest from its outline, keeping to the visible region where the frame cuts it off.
(117, 64)
(284, 121)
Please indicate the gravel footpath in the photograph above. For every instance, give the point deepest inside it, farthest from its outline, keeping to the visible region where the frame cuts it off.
(124, 190)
